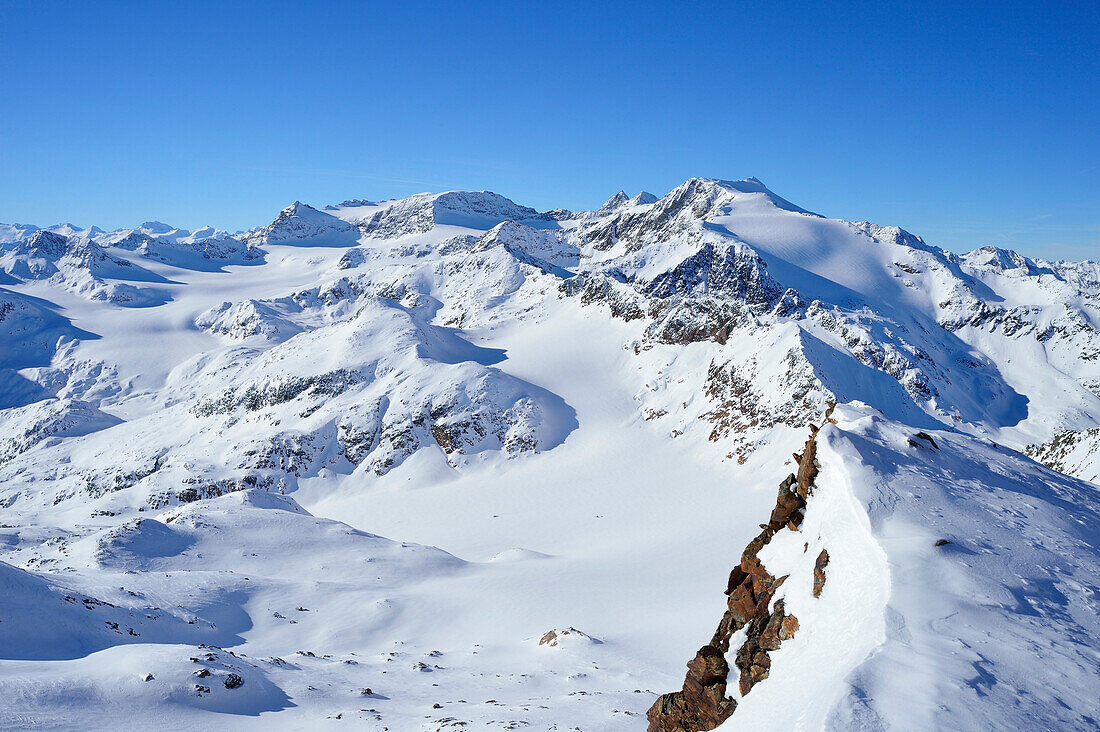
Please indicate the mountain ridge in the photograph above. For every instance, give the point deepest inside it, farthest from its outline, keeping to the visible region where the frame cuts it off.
(213, 429)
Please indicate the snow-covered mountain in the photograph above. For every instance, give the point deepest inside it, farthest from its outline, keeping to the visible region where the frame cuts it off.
(570, 426)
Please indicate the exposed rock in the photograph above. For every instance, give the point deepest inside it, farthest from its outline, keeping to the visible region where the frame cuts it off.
(444, 438)
(729, 270)
(300, 223)
(819, 572)
(557, 636)
(703, 704)
(423, 212)
(927, 438)
(624, 302)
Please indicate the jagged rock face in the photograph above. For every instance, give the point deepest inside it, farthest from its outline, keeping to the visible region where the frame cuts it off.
(741, 407)
(819, 572)
(539, 247)
(38, 257)
(898, 236)
(622, 300)
(81, 266)
(1073, 452)
(26, 426)
(421, 213)
(1004, 260)
(44, 244)
(225, 249)
(692, 320)
(646, 220)
(703, 703)
(613, 204)
(135, 241)
(88, 248)
(678, 213)
(299, 223)
(727, 270)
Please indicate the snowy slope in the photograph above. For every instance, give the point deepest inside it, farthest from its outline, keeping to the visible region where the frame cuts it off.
(568, 426)
(959, 589)
(998, 626)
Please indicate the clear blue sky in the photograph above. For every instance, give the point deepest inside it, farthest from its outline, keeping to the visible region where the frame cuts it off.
(965, 123)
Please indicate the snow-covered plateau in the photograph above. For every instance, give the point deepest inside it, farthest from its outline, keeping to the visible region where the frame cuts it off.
(449, 462)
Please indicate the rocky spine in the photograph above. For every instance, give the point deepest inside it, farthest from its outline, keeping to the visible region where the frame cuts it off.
(702, 703)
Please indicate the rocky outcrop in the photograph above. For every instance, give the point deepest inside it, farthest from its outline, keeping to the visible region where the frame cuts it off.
(1071, 452)
(541, 248)
(424, 211)
(646, 220)
(21, 428)
(702, 703)
(819, 572)
(240, 320)
(300, 223)
(732, 271)
(623, 301)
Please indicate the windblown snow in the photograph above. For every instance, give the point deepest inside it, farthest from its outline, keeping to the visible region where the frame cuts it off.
(451, 462)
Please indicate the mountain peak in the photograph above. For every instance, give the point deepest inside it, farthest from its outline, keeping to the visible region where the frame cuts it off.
(155, 227)
(44, 243)
(997, 258)
(300, 223)
(620, 200)
(612, 204)
(715, 188)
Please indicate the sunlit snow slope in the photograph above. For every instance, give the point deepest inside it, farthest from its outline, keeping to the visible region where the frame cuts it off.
(451, 462)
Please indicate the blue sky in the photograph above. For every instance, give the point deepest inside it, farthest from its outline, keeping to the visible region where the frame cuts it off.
(965, 123)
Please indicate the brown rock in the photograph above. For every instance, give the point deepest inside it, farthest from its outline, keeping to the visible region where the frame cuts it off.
(737, 576)
(702, 704)
(788, 627)
(721, 637)
(708, 666)
(444, 439)
(769, 636)
(755, 546)
(742, 605)
(819, 572)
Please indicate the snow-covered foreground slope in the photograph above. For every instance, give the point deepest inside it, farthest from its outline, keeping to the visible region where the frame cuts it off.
(448, 461)
(994, 628)
(960, 589)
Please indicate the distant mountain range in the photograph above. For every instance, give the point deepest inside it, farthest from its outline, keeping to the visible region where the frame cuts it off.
(581, 419)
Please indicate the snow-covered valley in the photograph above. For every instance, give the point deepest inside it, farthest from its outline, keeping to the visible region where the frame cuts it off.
(447, 462)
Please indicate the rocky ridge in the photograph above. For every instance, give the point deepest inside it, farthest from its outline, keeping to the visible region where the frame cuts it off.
(703, 703)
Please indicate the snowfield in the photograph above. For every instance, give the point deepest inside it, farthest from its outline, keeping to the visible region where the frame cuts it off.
(448, 462)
